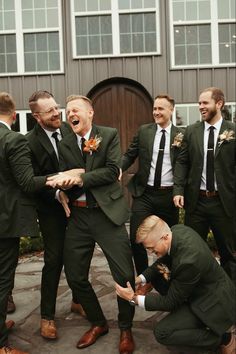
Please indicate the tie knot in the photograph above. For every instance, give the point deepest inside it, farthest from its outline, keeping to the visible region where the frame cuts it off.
(54, 135)
(211, 128)
(163, 131)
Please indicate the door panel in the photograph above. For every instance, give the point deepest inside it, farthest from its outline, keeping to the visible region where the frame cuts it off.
(124, 106)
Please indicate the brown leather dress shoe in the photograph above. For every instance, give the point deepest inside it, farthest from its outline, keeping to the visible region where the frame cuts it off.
(9, 324)
(11, 307)
(229, 348)
(10, 350)
(48, 329)
(143, 289)
(91, 336)
(77, 308)
(126, 342)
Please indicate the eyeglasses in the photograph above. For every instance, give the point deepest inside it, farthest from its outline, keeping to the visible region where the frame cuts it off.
(51, 110)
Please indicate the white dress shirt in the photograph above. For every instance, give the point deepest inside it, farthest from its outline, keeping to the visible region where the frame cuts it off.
(52, 140)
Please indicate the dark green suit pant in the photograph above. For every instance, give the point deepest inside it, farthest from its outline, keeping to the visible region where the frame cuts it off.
(87, 226)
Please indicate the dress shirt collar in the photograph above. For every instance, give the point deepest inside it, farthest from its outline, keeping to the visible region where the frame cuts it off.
(49, 133)
(167, 129)
(217, 125)
(86, 137)
(6, 124)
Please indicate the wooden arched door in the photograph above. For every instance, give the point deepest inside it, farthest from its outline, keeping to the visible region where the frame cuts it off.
(125, 105)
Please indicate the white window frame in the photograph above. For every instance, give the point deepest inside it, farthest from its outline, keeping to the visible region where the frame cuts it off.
(192, 105)
(114, 13)
(214, 23)
(19, 32)
(23, 118)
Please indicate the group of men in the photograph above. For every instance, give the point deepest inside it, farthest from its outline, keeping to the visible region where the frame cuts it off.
(84, 205)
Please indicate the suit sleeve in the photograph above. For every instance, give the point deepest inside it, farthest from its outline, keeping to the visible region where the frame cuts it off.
(181, 167)
(181, 287)
(131, 154)
(19, 159)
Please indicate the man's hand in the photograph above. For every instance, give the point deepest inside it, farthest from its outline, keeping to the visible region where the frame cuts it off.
(178, 201)
(64, 180)
(138, 280)
(125, 293)
(64, 200)
(75, 172)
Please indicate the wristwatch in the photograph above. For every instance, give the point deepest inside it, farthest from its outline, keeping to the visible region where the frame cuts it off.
(132, 301)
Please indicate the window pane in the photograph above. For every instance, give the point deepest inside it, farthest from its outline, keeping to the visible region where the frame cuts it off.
(227, 39)
(92, 5)
(125, 25)
(40, 42)
(27, 19)
(82, 46)
(54, 61)
(125, 43)
(150, 42)
(106, 42)
(29, 43)
(181, 116)
(51, 3)
(149, 3)
(191, 10)
(30, 62)
(52, 18)
(80, 5)
(179, 34)
(40, 18)
(138, 43)
(93, 25)
(11, 63)
(53, 41)
(137, 23)
(39, 4)
(81, 25)
(42, 62)
(105, 4)
(205, 54)
(223, 8)
(178, 11)
(10, 43)
(136, 4)
(124, 4)
(9, 5)
(149, 23)
(204, 10)
(27, 4)
(94, 47)
(9, 20)
(2, 63)
(192, 54)
(194, 115)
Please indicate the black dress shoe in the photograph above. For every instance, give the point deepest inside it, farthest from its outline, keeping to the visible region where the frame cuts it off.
(91, 336)
(11, 307)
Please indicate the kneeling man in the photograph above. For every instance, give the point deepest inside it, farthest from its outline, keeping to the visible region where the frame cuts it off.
(199, 296)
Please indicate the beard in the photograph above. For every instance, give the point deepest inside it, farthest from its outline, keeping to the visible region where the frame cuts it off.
(210, 115)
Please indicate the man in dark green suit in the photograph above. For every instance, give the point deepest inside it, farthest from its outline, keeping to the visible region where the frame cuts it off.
(200, 297)
(98, 214)
(43, 140)
(151, 196)
(209, 199)
(17, 208)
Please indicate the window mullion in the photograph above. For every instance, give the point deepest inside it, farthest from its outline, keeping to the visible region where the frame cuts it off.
(214, 33)
(19, 38)
(115, 27)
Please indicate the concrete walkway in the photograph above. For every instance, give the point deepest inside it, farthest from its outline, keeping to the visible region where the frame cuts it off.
(26, 335)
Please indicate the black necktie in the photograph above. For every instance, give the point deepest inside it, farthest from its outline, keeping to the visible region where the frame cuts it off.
(210, 185)
(55, 136)
(157, 179)
(82, 148)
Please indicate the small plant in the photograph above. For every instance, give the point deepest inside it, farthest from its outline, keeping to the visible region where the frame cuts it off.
(30, 244)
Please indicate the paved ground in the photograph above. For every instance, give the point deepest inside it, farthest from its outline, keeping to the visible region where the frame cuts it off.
(26, 335)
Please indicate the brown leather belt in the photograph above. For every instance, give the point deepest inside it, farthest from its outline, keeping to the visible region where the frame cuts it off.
(83, 204)
(152, 188)
(208, 194)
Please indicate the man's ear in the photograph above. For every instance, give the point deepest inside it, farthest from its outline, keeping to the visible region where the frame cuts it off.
(35, 115)
(14, 117)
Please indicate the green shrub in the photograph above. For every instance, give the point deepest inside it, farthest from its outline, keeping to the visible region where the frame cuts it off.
(28, 244)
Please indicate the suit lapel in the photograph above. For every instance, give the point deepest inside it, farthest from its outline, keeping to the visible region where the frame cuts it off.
(151, 132)
(200, 137)
(173, 133)
(90, 157)
(46, 143)
(224, 126)
(72, 144)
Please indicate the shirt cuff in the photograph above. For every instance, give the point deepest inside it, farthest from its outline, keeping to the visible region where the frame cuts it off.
(141, 301)
(143, 279)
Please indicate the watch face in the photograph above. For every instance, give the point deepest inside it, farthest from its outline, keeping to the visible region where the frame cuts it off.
(132, 303)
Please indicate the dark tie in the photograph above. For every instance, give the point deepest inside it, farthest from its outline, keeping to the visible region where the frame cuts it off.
(210, 185)
(55, 136)
(82, 148)
(157, 179)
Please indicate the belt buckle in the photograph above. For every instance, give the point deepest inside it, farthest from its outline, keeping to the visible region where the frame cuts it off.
(208, 194)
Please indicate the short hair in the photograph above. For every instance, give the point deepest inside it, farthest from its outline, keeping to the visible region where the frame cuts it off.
(168, 98)
(148, 225)
(33, 100)
(216, 93)
(74, 97)
(7, 104)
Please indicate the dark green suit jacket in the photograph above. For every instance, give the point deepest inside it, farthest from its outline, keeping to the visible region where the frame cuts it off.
(17, 182)
(102, 171)
(196, 279)
(142, 148)
(45, 162)
(189, 165)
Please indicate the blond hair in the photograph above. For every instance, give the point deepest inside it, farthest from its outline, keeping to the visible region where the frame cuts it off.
(149, 225)
(7, 104)
(74, 97)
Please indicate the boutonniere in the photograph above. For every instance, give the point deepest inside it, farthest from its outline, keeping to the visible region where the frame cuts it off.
(226, 136)
(92, 144)
(178, 140)
(164, 270)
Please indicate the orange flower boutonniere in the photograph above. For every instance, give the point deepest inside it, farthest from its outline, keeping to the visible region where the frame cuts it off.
(92, 144)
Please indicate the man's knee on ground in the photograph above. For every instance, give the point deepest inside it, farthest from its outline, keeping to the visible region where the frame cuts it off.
(162, 334)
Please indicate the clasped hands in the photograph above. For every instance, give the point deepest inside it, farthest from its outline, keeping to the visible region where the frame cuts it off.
(66, 179)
